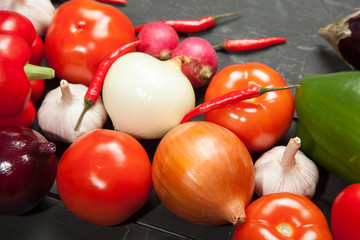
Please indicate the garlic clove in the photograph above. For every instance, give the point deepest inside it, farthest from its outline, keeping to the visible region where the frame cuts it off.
(60, 109)
(286, 169)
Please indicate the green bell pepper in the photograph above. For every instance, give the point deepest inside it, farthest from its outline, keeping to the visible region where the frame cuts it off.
(328, 108)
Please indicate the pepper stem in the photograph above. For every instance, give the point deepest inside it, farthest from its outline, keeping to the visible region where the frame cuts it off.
(263, 90)
(219, 46)
(288, 158)
(216, 17)
(34, 72)
(88, 103)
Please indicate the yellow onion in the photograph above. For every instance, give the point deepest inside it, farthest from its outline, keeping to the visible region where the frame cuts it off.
(204, 174)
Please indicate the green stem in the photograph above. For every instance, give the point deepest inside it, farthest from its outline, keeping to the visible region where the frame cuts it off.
(88, 103)
(263, 90)
(34, 72)
(216, 17)
(219, 46)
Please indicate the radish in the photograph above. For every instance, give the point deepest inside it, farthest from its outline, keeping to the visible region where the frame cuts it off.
(158, 39)
(204, 61)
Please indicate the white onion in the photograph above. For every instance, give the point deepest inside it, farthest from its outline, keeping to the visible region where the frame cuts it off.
(146, 97)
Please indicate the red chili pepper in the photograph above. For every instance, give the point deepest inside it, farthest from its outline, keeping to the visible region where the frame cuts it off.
(229, 99)
(97, 81)
(115, 1)
(246, 44)
(193, 25)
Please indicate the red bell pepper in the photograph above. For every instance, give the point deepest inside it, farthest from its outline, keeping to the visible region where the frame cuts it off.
(16, 23)
(17, 35)
(25, 118)
(37, 54)
(15, 88)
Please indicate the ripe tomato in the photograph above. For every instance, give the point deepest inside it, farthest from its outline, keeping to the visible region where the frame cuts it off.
(345, 213)
(283, 216)
(259, 122)
(104, 177)
(81, 34)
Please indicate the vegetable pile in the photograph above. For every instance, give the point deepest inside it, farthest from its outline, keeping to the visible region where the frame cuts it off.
(226, 167)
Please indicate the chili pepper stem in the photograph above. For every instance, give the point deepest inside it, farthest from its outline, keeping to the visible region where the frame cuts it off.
(216, 17)
(88, 103)
(263, 90)
(288, 158)
(34, 72)
(219, 46)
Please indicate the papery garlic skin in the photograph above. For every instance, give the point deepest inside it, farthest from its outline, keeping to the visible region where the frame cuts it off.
(39, 12)
(272, 177)
(60, 110)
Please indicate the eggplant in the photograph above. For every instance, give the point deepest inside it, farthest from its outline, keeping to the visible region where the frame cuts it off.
(344, 37)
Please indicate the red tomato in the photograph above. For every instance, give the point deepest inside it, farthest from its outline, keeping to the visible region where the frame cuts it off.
(81, 34)
(259, 122)
(283, 216)
(25, 118)
(104, 177)
(345, 213)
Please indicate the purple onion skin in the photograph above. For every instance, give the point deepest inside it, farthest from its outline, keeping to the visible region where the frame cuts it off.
(350, 47)
(28, 168)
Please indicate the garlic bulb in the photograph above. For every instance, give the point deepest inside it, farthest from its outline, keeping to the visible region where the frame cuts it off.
(286, 169)
(60, 110)
(39, 12)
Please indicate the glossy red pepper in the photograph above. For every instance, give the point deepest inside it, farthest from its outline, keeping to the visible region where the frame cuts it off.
(247, 44)
(96, 83)
(16, 23)
(15, 88)
(25, 118)
(229, 99)
(193, 25)
(17, 36)
(37, 54)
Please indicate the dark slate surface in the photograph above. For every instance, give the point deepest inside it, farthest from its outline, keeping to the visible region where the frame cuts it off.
(304, 53)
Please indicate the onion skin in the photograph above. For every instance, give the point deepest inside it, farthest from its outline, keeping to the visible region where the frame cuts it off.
(28, 168)
(146, 97)
(204, 174)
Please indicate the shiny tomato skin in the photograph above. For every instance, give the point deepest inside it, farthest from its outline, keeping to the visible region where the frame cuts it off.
(266, 213)
(104, 177)
(81, 34)
(259, 122)
(345, 212)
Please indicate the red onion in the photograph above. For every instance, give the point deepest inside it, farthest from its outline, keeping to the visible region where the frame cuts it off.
(28, 168)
